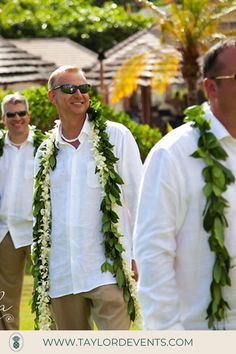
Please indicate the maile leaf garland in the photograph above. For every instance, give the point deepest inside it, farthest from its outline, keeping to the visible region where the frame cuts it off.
(217, 178)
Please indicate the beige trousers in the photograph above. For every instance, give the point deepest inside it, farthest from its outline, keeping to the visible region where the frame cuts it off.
(12, 267)
(104, 305)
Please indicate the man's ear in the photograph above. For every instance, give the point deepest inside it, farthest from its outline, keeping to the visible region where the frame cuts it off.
(3, 120)
(52, 96)
(210, 87)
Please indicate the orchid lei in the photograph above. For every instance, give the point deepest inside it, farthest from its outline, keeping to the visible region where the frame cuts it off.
(217, 178)
(110, 181)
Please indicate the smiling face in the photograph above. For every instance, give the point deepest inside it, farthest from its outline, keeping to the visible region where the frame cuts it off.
(69, 105)
(18, 127)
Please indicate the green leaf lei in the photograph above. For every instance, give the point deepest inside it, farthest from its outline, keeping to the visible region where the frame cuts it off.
(110, 181)
(2, 140)
(217, 178)
(38, 138)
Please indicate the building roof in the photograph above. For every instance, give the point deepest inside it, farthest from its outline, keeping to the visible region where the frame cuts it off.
(62, 51)
(147, 40)
(19, 66)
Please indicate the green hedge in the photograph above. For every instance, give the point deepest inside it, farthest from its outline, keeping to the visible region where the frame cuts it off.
(145, 136)
(43, 115)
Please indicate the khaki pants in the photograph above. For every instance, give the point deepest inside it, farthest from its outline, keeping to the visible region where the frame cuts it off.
(104, 305)
(12, 267)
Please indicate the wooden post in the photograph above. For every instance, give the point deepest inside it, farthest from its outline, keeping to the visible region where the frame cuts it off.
(102, 90)
(146, 104)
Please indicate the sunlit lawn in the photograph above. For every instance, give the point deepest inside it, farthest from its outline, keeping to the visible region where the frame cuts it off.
(26, 317)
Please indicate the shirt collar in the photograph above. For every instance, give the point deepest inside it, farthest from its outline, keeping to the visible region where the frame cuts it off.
(29, 138)
(82, 135)
(217, 127)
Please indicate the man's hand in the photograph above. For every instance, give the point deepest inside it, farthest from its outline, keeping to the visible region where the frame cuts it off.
(134, 269)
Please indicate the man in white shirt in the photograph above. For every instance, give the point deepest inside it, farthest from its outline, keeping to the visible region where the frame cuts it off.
(184, 282)
(16, 193)
(79, 290)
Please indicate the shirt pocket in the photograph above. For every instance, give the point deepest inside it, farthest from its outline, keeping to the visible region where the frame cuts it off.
(60, 176)
(29, 169)
(92, 177)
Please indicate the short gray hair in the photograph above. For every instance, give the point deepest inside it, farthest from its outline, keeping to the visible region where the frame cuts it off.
(14, 98)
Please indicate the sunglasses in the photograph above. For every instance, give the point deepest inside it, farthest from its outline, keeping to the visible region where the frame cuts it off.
(70, 89)
(224, 77)
(13, 114)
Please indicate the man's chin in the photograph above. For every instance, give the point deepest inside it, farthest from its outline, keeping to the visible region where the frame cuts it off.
(19, 131)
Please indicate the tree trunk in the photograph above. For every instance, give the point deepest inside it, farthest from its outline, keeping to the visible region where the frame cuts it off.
(191, 71)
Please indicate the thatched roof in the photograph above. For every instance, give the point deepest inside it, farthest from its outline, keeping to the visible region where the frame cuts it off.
(147, 40)
(18, 66)
(62, 51)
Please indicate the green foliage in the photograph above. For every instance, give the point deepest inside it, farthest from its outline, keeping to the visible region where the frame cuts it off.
(145, 136)
(92, 26)
(217, 178)
(43, 114)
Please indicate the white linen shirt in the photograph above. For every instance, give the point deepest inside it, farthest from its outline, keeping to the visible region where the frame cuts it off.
(77, 252)
(16, 191)
(170, 245)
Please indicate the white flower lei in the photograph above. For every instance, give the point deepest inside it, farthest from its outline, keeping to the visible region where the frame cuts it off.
(42, 237)
(44, 240)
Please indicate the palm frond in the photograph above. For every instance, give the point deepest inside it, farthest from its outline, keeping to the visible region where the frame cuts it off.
(125, 81)
(164, 71)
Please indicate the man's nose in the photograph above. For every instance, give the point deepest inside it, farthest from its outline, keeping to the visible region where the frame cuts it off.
(17, 116)
(78, 92)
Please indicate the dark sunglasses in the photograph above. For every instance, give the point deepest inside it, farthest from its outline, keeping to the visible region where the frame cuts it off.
(13, 114)
(70, 89)
(224, 77)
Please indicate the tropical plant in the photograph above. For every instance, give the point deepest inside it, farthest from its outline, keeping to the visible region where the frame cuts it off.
(164, 70)
(191, 26)
(96, 27)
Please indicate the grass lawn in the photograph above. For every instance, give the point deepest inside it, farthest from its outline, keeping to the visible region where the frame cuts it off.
(26, 317)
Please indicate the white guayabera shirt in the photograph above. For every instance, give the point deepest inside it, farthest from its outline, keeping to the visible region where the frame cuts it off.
(170, 245)
(16, 191)
(77, 252)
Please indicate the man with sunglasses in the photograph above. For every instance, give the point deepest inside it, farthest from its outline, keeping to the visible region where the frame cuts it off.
(80, 292)
(185, 231)
(16, 193)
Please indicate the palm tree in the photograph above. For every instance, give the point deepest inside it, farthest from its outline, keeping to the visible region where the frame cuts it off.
(191, 26)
